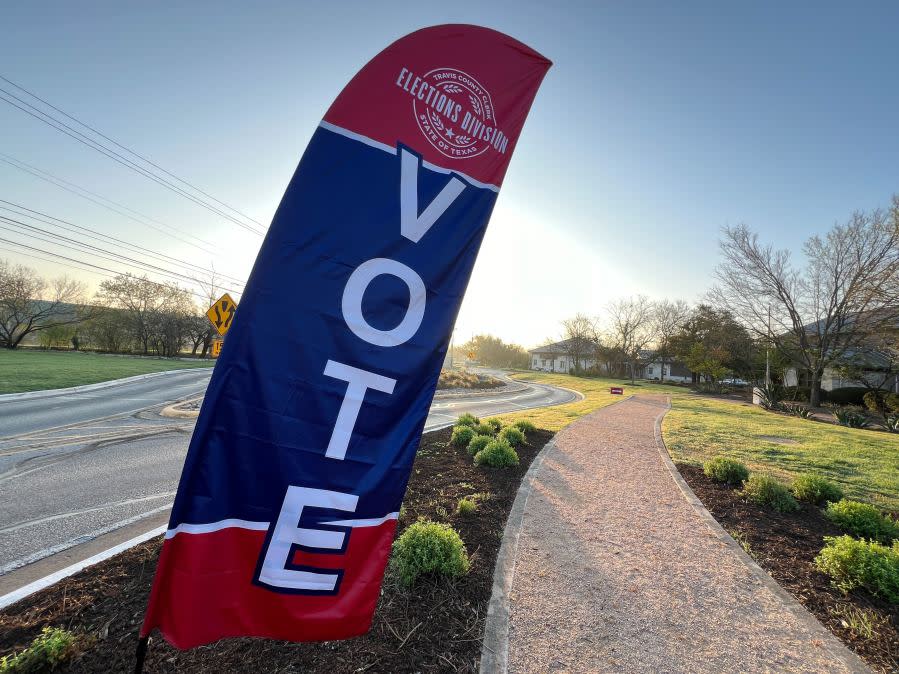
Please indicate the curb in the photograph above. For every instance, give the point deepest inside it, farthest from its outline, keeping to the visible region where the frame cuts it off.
(49, 393)
(830, 642)
(172, 411)
(495, 647)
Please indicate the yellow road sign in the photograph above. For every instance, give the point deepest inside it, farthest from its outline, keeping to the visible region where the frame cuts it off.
(221, 314)
(217, 347)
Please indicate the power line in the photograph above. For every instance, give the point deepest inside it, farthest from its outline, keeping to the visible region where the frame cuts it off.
(88, 264)
(95, 251)
(94, 234)
(130, 151)
(55, 180)
(62, 127)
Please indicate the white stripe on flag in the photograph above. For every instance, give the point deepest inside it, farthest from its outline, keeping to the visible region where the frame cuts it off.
(185, 528)
(374, 522)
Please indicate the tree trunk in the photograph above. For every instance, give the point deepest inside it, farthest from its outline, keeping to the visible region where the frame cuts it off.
(814, 395)
(662, 376)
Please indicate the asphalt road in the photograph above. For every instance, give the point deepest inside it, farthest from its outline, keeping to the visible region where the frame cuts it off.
(76, 466)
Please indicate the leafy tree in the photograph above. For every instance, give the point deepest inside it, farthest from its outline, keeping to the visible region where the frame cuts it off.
(494, 352)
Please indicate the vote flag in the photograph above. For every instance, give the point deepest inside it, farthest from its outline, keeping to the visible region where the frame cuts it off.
(290, 492)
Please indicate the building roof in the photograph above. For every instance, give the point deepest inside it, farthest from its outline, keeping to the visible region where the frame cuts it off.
(556, 348)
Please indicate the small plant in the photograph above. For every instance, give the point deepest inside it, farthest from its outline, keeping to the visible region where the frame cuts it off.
(512, 435)
(875, 401)
(466, 506)
(862, 520)
(484, 428)
(478, 443)
(429, 548)
(462, 435)
(740, 538)
(525, 426)
(727, 471)
(769, 397)
(50, 648)
(891, 424)
(863, 623)
(853, 563)
(467, 420)
(800, 411)
(495, 423)
(850, 417)
(815, 489)
(770, 493)
(498, 454)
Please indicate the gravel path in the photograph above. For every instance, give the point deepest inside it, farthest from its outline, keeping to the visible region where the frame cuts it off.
(616, 571)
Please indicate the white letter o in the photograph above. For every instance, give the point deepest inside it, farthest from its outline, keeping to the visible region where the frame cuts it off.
(355, 288)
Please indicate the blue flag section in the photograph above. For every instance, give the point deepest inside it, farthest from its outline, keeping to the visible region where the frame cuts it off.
(296, 471)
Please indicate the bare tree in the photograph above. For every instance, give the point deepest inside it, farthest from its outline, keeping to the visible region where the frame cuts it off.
(669, 317)
(632, 329)
(844, 294)
(579, 338)
(29, 304)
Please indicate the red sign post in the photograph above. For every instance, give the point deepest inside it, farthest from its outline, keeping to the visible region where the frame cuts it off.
(616, 391)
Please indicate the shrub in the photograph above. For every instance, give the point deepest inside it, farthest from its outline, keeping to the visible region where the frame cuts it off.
(848, 395)
(849, 417)
(891, 424)
(484, 428)
(50, 648)
(462, 435)
(497, 454)
(728, 471)
(495, 423)
(467, 420)
(428, 548)
(875, 401)
(797, 393)
(853, 563)
(862, 520)
(478, 443)
(769, 397)
(891, 400)
(466, 506)
(815, 489)
(512, 435)
(525, 426)
(770, 493)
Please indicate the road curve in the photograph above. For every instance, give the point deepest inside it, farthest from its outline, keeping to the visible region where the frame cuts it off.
(78, 466)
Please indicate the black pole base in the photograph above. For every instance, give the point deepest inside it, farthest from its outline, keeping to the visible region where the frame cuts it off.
(141, 654)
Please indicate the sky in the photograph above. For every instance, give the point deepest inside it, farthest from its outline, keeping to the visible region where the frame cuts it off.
(659, 124)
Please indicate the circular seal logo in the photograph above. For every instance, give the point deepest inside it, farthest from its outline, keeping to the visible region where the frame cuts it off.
(455, 113)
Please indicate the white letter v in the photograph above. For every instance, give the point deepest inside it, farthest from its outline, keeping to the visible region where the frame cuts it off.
(413, 226)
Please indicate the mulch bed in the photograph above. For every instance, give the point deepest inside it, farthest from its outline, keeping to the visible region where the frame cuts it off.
(785, 546)
(435, 626)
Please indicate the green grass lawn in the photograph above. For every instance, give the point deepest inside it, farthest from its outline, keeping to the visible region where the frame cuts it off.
(864, 463)
(38, 370)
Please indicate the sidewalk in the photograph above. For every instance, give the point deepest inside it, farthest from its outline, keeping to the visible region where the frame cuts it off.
(617, 571)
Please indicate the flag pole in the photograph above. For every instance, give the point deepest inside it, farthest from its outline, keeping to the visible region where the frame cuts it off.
(141, 654)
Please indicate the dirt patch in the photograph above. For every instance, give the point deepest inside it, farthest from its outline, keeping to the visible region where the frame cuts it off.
(436, 626)
(785, 546)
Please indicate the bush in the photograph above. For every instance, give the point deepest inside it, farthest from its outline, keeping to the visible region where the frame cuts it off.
(467, 420)
(428, 548)
(849, 417)
(525, 426)
(728, 471)
(50, 648)
(466, 506)
(484, 428)
(478, 443)
(800, 411)
(891, 424)
(494, 423)
(875, 401)
(462, 435)
(848, 395)
(770, 493)
(512, 435)
(497, 454)
(769, 397)
(815, 489)
(801, 394)
(891, 400)
(862, 520)
(853, 563)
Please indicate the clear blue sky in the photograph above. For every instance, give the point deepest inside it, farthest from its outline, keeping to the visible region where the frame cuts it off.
(659, 124)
